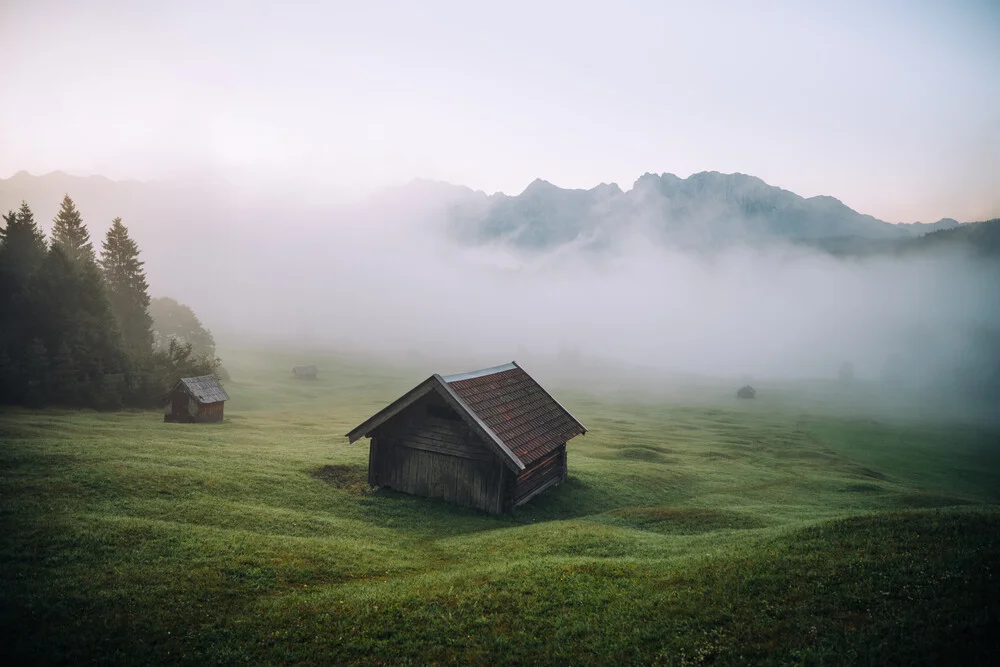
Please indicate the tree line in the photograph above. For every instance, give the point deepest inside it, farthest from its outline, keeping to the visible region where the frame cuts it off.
(75, 327)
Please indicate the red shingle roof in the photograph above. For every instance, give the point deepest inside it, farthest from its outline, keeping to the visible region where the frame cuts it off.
(523, 415)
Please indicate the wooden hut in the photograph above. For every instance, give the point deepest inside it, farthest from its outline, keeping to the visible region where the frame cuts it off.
(305, 372)
(198, 399)
(491, 439)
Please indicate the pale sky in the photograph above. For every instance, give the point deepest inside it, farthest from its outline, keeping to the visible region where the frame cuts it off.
(893, 107)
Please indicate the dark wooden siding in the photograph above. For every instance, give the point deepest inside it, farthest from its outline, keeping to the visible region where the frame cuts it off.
(428, 452)
(210, 412)
(543, 474)
(178, 409)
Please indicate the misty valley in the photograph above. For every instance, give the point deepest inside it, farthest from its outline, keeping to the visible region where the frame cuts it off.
(696, 421)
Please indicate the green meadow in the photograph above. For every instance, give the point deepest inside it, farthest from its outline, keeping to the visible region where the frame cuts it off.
(691, 530)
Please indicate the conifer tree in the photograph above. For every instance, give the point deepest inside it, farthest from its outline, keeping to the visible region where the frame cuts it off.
(22, 251)
(74, 309)
(22, 244)
(69, 232)
(36, 368)
(65, 383)
(127, 289)
(94, 388)
(8, 378)
(57, 297)
(97, 324)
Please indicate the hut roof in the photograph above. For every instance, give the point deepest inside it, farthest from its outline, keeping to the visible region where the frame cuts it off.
(305, 370)
(204, 388)
(503, 404)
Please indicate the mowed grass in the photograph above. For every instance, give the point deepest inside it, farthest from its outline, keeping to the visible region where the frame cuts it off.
(687, 533)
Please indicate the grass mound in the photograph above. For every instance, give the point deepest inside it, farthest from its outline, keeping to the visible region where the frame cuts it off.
(680, 520)
(863, 488)
(644, 453)
(906, 588)
(637, 452)
(930, 500)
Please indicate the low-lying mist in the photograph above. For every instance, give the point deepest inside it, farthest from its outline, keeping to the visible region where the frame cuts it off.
(391, 282)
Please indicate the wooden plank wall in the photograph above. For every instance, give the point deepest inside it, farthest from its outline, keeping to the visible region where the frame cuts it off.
(543, 474)
(430, 456)
(210, 412)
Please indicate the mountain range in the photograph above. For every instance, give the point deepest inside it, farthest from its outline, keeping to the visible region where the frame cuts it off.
(705, 210)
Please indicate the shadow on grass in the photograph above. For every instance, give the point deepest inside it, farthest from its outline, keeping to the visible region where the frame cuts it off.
(352, 478)
(647, 453)
(395, 510)
(574, 498)
(679, 520)
(930, 501)
(862, 488)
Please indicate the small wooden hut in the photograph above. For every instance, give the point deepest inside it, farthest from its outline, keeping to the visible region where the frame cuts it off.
(491, 439)
(305, 372)
(198, 399)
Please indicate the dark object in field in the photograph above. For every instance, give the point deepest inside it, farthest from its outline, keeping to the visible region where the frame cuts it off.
(746, 391)
(305, 372)
(352, 478)
(198, 399)
(491, 439)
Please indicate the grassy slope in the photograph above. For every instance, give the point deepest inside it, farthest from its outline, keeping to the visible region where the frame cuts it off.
(743, 531)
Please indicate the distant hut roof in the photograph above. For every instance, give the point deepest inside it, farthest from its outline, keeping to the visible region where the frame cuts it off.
(305, 370)
(204, 388)
(503, 404)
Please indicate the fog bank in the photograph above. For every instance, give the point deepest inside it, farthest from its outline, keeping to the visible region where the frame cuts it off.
(394, 284)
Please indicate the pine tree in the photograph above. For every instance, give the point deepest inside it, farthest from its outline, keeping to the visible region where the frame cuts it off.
(22, 251)
(22, 244)
(69, 232)
(65, 384)
(55, 288)
(8, 378)
(93, 388)
(115, 388)
(73, 309)
(127, 289)
(37, 374)
(103, 335)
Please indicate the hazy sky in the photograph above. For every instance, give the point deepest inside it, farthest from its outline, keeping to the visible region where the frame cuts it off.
(893, 107)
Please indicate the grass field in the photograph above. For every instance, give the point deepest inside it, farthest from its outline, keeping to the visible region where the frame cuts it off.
(688, 532)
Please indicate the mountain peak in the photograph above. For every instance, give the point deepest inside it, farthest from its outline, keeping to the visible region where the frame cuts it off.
(925, 227)
(539, 185)
(607, 188)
